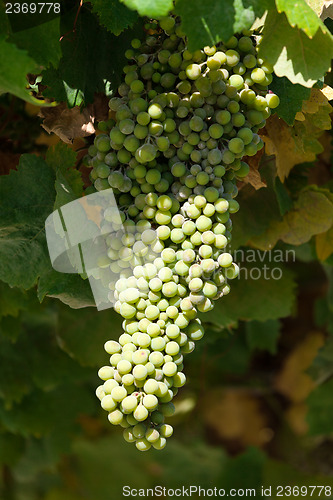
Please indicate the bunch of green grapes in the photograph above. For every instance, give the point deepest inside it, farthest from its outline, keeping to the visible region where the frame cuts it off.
(182, 123)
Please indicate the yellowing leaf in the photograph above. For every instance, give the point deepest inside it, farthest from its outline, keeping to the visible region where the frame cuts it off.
(292, 381)
(299, 116)
(299, 144)
(312, 214)
(236, 415)
(324, 244)
(286, 146)
(317, 99)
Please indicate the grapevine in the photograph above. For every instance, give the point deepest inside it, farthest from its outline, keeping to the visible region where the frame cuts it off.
(172, 153)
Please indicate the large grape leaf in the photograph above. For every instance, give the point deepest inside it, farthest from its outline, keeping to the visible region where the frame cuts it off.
(292, 53)
(69, 183)
(71, 289)
(82, 334)
(15, 64)
(114, 15)
(312, 214)
(264, 290)
(263, 335)
(150, 8)
(26, 199)
(92, 61)
(208, 22)
(291, 98)
(41, 42)
(301, 15)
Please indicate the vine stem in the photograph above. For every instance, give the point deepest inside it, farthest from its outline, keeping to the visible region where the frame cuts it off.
(75, 22)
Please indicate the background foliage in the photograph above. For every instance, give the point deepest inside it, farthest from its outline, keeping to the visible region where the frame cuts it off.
(257, 409)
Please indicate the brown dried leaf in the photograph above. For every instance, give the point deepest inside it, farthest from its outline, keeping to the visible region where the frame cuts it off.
(70, 124)
(254, 177)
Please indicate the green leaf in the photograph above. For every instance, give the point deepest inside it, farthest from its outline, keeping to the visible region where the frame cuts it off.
(82, 334)
(207, 23)
(11, 448)
(292, 53)
(320, 404)
(41, 42)
(113, 15)
(264, 290)
(13, 300)
(43, 412)
(71, 289)
(258, 209)
(291, 98)
(150, 8)
(312, 214)
(251, 464)
(263, 336)
(92, 61)
(301, 15)
(283, 198)
(26, 199)
(15, 64)
(69, 183)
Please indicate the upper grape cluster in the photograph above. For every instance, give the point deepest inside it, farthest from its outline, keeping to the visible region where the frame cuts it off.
(181, 124)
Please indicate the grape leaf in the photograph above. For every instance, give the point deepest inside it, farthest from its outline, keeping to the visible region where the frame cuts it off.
(13, 300)
(263, 291)
(283, 198)
(71, 289)
(301, 15)
(291, 98)
(85, 68)
(206, 23)
(320, 405)
(26, 199)
(293, 381)
(322, 367)
(41, 42)
(292, 53)
(113, 15)
(150, 8)
(312, 214)
(83, 334)
(11, 448)
(15, 64)
(324, 244)
(69, 183)
(297, 144)
(263, 336)
(259, 209)
(32, 416)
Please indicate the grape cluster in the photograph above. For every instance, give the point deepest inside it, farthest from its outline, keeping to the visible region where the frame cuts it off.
(181, 124)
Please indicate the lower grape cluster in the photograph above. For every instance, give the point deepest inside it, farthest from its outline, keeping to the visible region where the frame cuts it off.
(181, 124)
